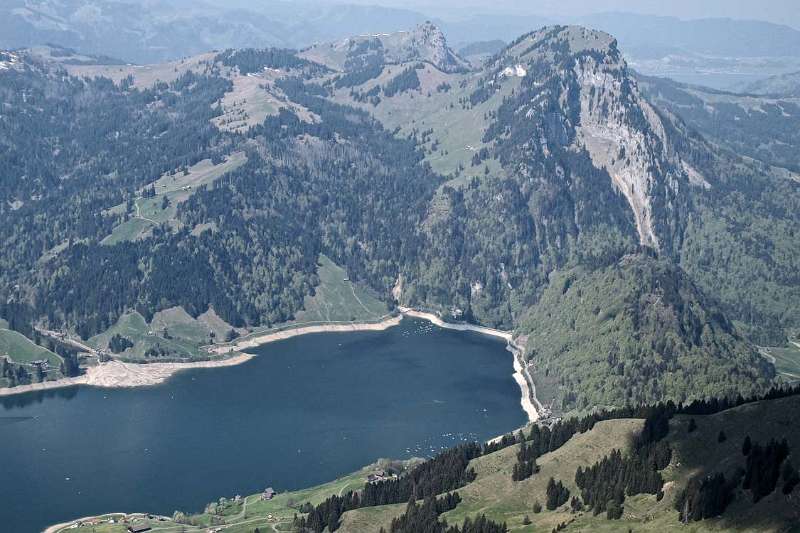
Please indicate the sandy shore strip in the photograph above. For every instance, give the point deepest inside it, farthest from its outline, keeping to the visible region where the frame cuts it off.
(116, 374)
(459, 327)
(530, 404)
(288, 333)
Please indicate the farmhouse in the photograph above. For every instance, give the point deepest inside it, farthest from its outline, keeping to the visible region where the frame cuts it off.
(377, 475)
(44, 364)
(268, 494)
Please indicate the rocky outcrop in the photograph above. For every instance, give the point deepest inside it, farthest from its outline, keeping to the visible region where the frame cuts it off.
(424, 43)
(576, 77)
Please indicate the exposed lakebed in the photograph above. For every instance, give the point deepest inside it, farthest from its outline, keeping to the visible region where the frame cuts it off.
(305, 411)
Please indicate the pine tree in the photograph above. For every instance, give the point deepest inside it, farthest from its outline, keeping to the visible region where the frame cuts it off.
(764, 467)
(614, 510)
(557, 494)
(576, 504)
(790, 476)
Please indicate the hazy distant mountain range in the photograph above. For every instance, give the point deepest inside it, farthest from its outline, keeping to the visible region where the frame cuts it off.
(159, 30)
(781, 85)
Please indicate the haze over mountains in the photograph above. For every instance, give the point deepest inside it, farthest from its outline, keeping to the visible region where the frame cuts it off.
(697, 51)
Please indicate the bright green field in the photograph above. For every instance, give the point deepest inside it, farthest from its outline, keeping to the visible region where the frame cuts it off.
(20, 349)
(787, 361)
(334, 300)
(459, 131)
(129, 230)
(337, 300)
(134, 327)
(254, 512)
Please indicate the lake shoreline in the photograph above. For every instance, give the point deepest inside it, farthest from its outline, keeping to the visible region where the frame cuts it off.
(122, 516)
(118, 374)
(259, 339)
(530, 404)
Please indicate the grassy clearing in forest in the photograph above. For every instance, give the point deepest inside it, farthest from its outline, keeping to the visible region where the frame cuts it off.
(21, 349)
(175, 188)
(337, 299)
(457, 132)
(787, 361)
(133, 327)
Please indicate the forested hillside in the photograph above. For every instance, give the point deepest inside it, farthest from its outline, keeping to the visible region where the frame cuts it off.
(764, 127)
(474, 194)
(632, 333)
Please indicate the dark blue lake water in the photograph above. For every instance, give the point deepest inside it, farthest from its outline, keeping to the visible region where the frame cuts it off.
(306, 411)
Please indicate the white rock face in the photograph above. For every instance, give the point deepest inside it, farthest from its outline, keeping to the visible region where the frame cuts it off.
(475, 289)
(634, 157)
(8, 60)
(620, 131)
(397, 290)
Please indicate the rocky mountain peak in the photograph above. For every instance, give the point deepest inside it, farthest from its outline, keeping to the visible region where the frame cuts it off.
(548, 41)
(425, 42)
(428, 43)
(577, 86)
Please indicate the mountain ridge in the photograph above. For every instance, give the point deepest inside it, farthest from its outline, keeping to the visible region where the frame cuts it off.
(425, 42)
(566, 165)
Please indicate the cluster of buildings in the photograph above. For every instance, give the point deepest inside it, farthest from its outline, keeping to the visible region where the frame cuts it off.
(140, 527)
(379, 475)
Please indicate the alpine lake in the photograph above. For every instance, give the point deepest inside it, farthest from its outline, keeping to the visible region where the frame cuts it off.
(306, 410)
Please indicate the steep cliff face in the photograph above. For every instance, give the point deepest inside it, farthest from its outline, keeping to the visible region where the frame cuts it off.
(577, 82)
(578, 168)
